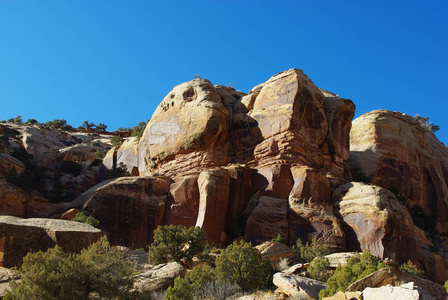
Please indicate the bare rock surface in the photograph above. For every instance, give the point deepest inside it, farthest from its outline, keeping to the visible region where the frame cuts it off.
(20, 236)
(340, 258)
(375, 220)
(276, 252)
(297, 287)
(187, 131)
(159, 277)
(394, 277)
(6, 276)
(389, 292)
(345, 296)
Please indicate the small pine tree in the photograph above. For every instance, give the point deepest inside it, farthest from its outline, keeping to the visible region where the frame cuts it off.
(240, 263)
(306, 253)
(176, 243)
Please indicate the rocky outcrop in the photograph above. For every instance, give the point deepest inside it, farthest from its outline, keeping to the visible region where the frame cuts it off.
(394, 277)
(276, 252)
(391, 149)
(127, 155)
(373, 219)
(20, 236)
(339, 259)
(297, 287)
(10, 165)
(129, 209)
(188, 130)
(345, 296)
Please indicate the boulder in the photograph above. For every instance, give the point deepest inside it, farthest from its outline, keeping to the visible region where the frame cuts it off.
(276, 252)
(345, 296)
(297, 287)
(129, 208)
(393, 150)
(340, 258)
(388, 292)
(126, 154)
(373, 219)
(20, 236)
(188, 131)
(394, 277)
(159, 277)
(70, 214)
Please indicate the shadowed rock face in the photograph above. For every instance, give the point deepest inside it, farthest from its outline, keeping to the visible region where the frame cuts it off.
(130, 209)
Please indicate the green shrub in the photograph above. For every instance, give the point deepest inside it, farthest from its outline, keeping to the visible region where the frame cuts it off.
(118, 171)
(412, 269)
(33, 178)
(116, 140)
(319, 269)
(176, 243)
(194, 281)
(446, 286)
(279, 239)
(306, 253)
(83, 218)
(241, 264)
(99, 272)
(358, 266)
(138, 130)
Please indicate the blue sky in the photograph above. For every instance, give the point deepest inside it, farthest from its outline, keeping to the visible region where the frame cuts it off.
(114, 61)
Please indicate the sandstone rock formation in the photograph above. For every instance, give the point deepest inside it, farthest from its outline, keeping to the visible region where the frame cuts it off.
(393, 150)
(20, 236)
(129, 209)
(189, 129)
(375, 220)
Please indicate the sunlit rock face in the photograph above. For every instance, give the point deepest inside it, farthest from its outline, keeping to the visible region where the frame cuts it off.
(188, 130)
(392, 150)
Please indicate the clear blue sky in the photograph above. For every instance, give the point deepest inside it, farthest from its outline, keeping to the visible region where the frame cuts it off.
(114, 61)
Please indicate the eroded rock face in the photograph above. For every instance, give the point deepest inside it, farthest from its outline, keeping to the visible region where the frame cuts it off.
(187, 131)
(276, 252)
(373, 219)
(129, 209)
(20, 236)
(393, 150)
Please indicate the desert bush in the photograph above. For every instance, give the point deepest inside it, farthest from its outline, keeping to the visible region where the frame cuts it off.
(118, 171)
(192, 283)
(84, 218)
(358, 266)
(176, 243)
(116, 140)
(279, 239)
(71, 167)
(101, 271)
(307, 252)
(412, 269)
(243, 265)
(319, 269)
